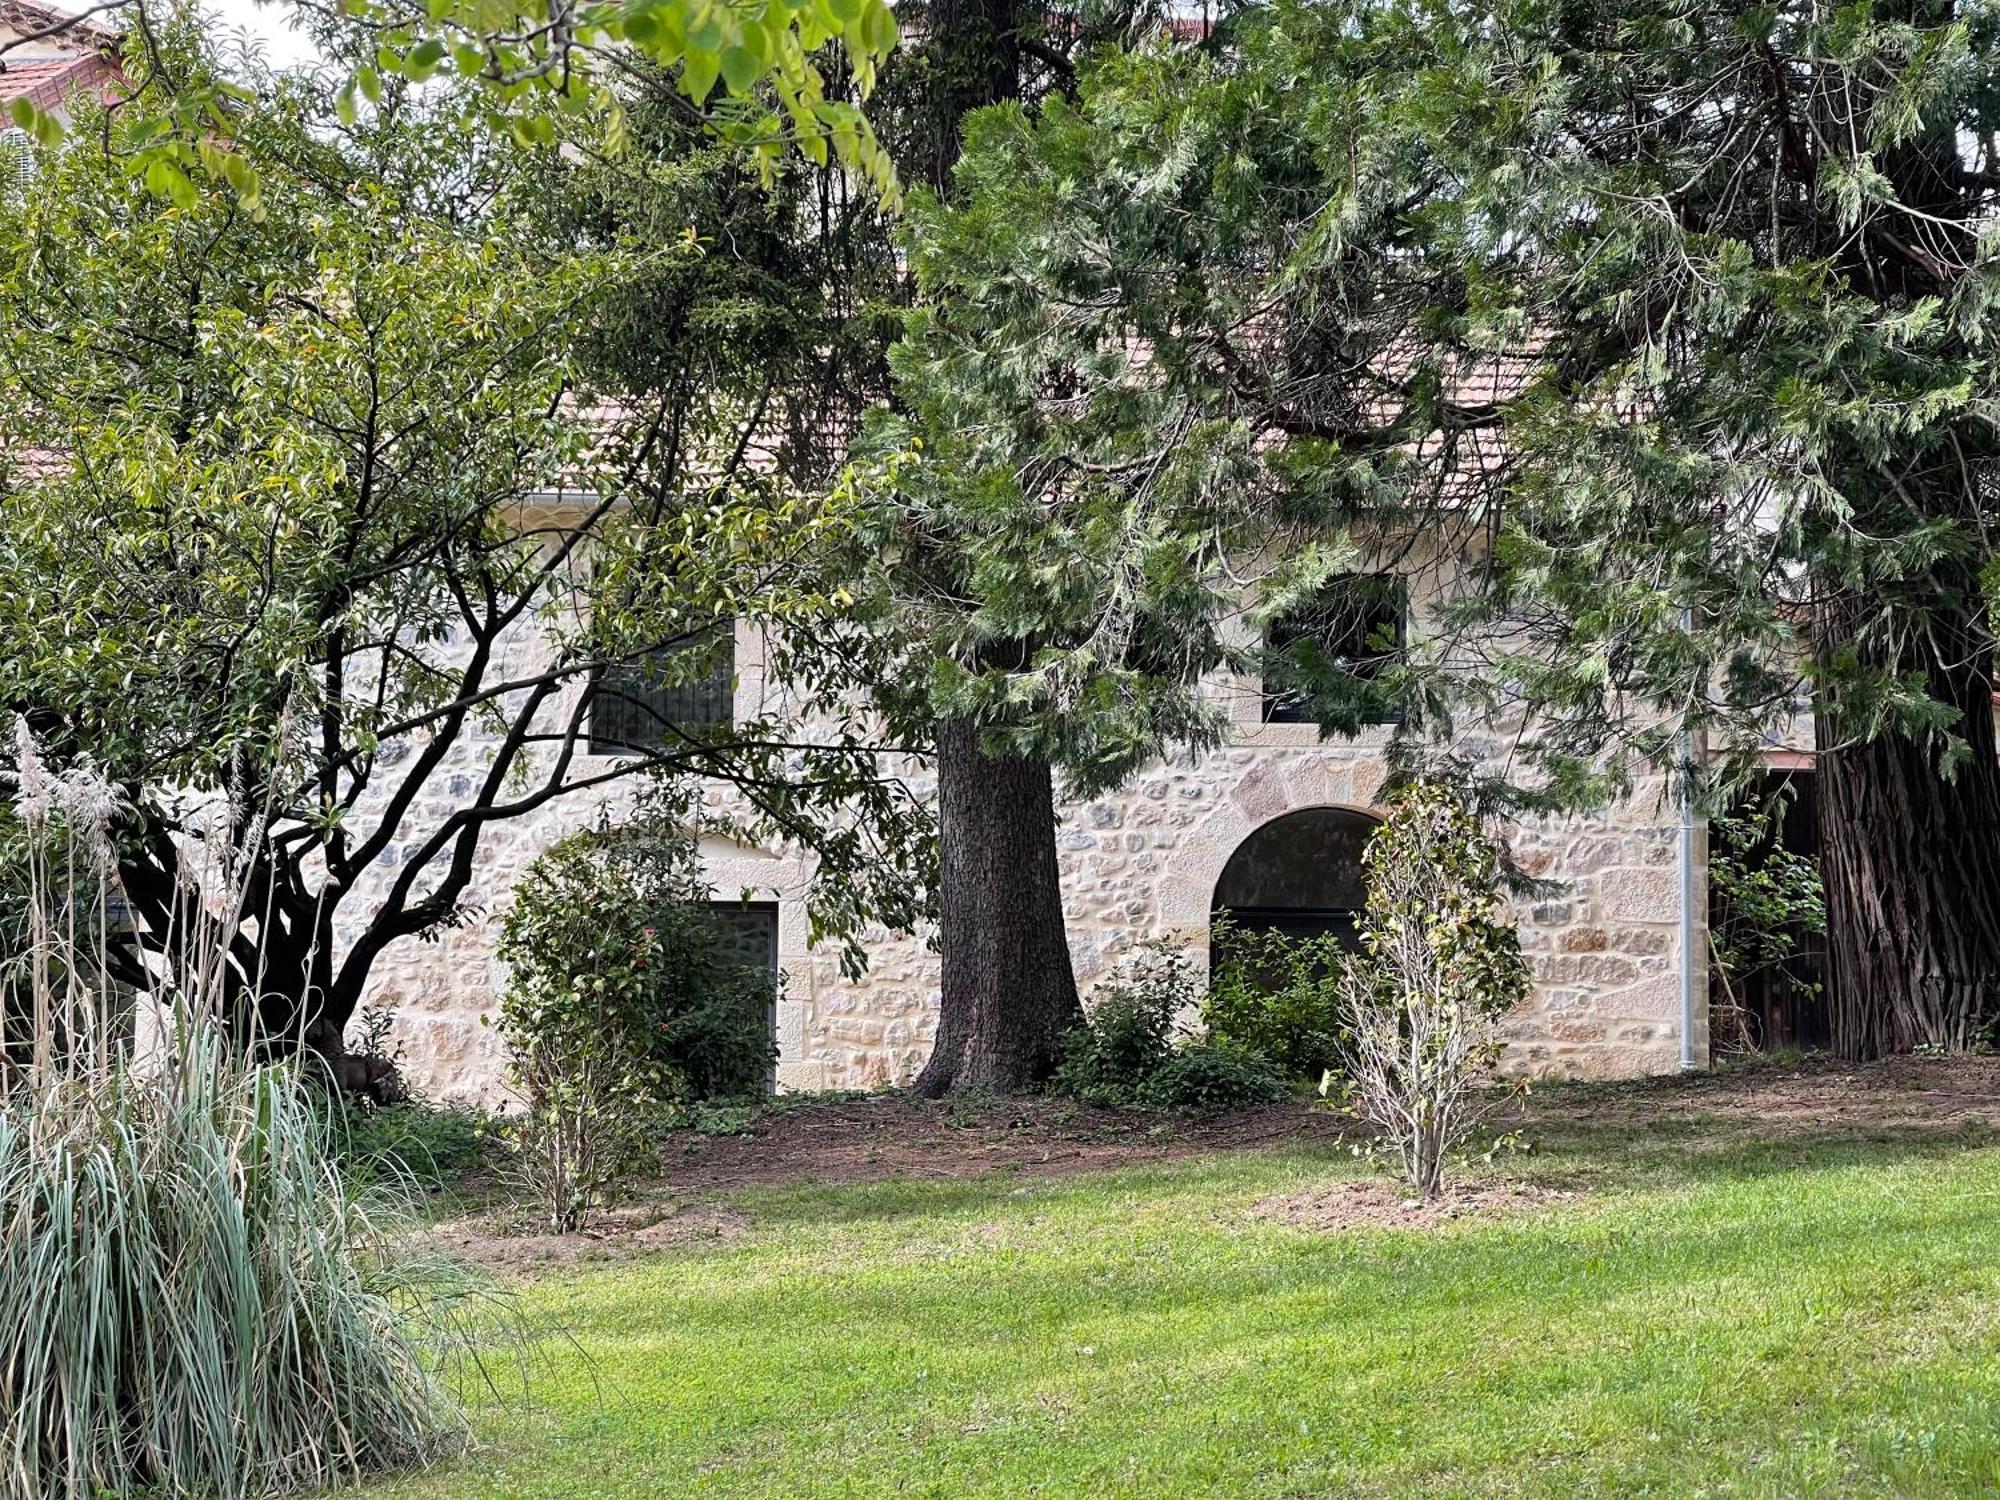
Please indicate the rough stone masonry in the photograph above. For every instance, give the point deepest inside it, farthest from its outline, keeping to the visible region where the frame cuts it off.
(1138, 865)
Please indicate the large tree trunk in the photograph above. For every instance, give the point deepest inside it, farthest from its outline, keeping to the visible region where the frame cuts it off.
(1911, 866)
(1008, 991)
(971, 56)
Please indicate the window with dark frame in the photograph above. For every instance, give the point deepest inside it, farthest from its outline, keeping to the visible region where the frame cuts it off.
(1355, 626)
(639, 706)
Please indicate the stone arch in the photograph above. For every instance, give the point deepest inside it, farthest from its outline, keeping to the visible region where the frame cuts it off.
(1262, 794)
(1299, 873)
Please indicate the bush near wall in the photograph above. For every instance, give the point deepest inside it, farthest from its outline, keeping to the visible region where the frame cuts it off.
(1277, 995)
(624, 1002)
(1134, 1050)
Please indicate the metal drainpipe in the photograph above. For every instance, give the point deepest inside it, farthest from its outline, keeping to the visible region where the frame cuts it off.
(1687, 914)
(1687, 933)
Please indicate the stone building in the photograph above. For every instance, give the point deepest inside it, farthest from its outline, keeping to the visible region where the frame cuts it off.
(1269, 827)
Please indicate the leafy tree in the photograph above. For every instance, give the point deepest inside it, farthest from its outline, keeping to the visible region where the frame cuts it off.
(1439, 969)
(534, 68)
(819, 282)
(291, 496)
(622, 1002)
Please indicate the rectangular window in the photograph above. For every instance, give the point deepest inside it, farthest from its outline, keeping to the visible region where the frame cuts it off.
(1322, 663)
(685, 686)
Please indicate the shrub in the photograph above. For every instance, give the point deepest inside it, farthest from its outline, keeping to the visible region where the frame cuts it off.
(623, 1002)
(1128, 1032)
(1204, 1077)
(1438, 972)
(1132, 1050)
(1278, 995)
(417, 1143)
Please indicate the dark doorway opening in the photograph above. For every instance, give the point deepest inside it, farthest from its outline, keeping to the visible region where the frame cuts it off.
(1783, 1004)
(1300, 875)
(750, 937)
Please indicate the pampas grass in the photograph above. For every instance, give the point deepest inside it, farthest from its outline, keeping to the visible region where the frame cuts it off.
(192, 1300)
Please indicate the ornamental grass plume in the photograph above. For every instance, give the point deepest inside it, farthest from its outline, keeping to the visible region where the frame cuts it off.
(193, 1302)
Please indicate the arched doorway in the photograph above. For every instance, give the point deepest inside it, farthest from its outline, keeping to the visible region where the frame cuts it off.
(1299, 874)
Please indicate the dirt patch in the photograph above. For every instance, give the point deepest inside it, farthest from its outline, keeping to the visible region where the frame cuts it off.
(1931, 1103)
(877, 1137)
(1781, 1100)
(1374, 1203)
(503, 1241)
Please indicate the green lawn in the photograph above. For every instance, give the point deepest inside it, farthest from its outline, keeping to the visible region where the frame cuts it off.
(1713, 1315)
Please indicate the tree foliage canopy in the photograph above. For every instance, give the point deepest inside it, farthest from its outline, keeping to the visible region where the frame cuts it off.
(1753, 254)
(1169, 373)
(764, 75)
(315, 510)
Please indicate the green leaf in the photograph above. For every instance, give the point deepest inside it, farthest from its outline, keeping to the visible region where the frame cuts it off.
(698, 74)
(707, 27)
(424, 59)
(740, 69)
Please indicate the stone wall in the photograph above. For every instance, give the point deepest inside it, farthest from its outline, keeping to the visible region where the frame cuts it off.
(1136, 865)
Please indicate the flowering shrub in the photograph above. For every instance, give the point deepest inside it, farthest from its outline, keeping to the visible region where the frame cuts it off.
(623, 1001)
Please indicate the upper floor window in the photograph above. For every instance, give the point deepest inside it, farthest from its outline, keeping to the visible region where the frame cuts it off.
(645, 704)
(17, 161)
(1323, 663)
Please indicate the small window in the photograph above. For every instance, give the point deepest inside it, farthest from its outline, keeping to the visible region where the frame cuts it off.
(685, 686)
(1323, 664)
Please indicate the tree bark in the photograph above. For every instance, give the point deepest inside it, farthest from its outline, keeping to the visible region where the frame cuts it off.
(1008, 990)
(971, 53)
(1911, 865)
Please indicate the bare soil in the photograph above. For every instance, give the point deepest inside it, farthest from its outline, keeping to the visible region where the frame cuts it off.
(875, 1137)
(1378, 1203)
(1772, 1100)
(885, 1136)
(509, 1241)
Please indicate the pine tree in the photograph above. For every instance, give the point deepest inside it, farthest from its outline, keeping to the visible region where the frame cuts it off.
(1115, 385)
(1754, 253)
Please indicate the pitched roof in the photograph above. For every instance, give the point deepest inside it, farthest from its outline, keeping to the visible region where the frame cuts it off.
(51, 82)
(30, 15)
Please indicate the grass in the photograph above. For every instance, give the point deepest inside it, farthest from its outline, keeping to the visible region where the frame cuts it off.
(1714, 1314)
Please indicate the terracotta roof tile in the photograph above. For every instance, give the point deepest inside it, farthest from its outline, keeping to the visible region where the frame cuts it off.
(31, 16)
(51, 82)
